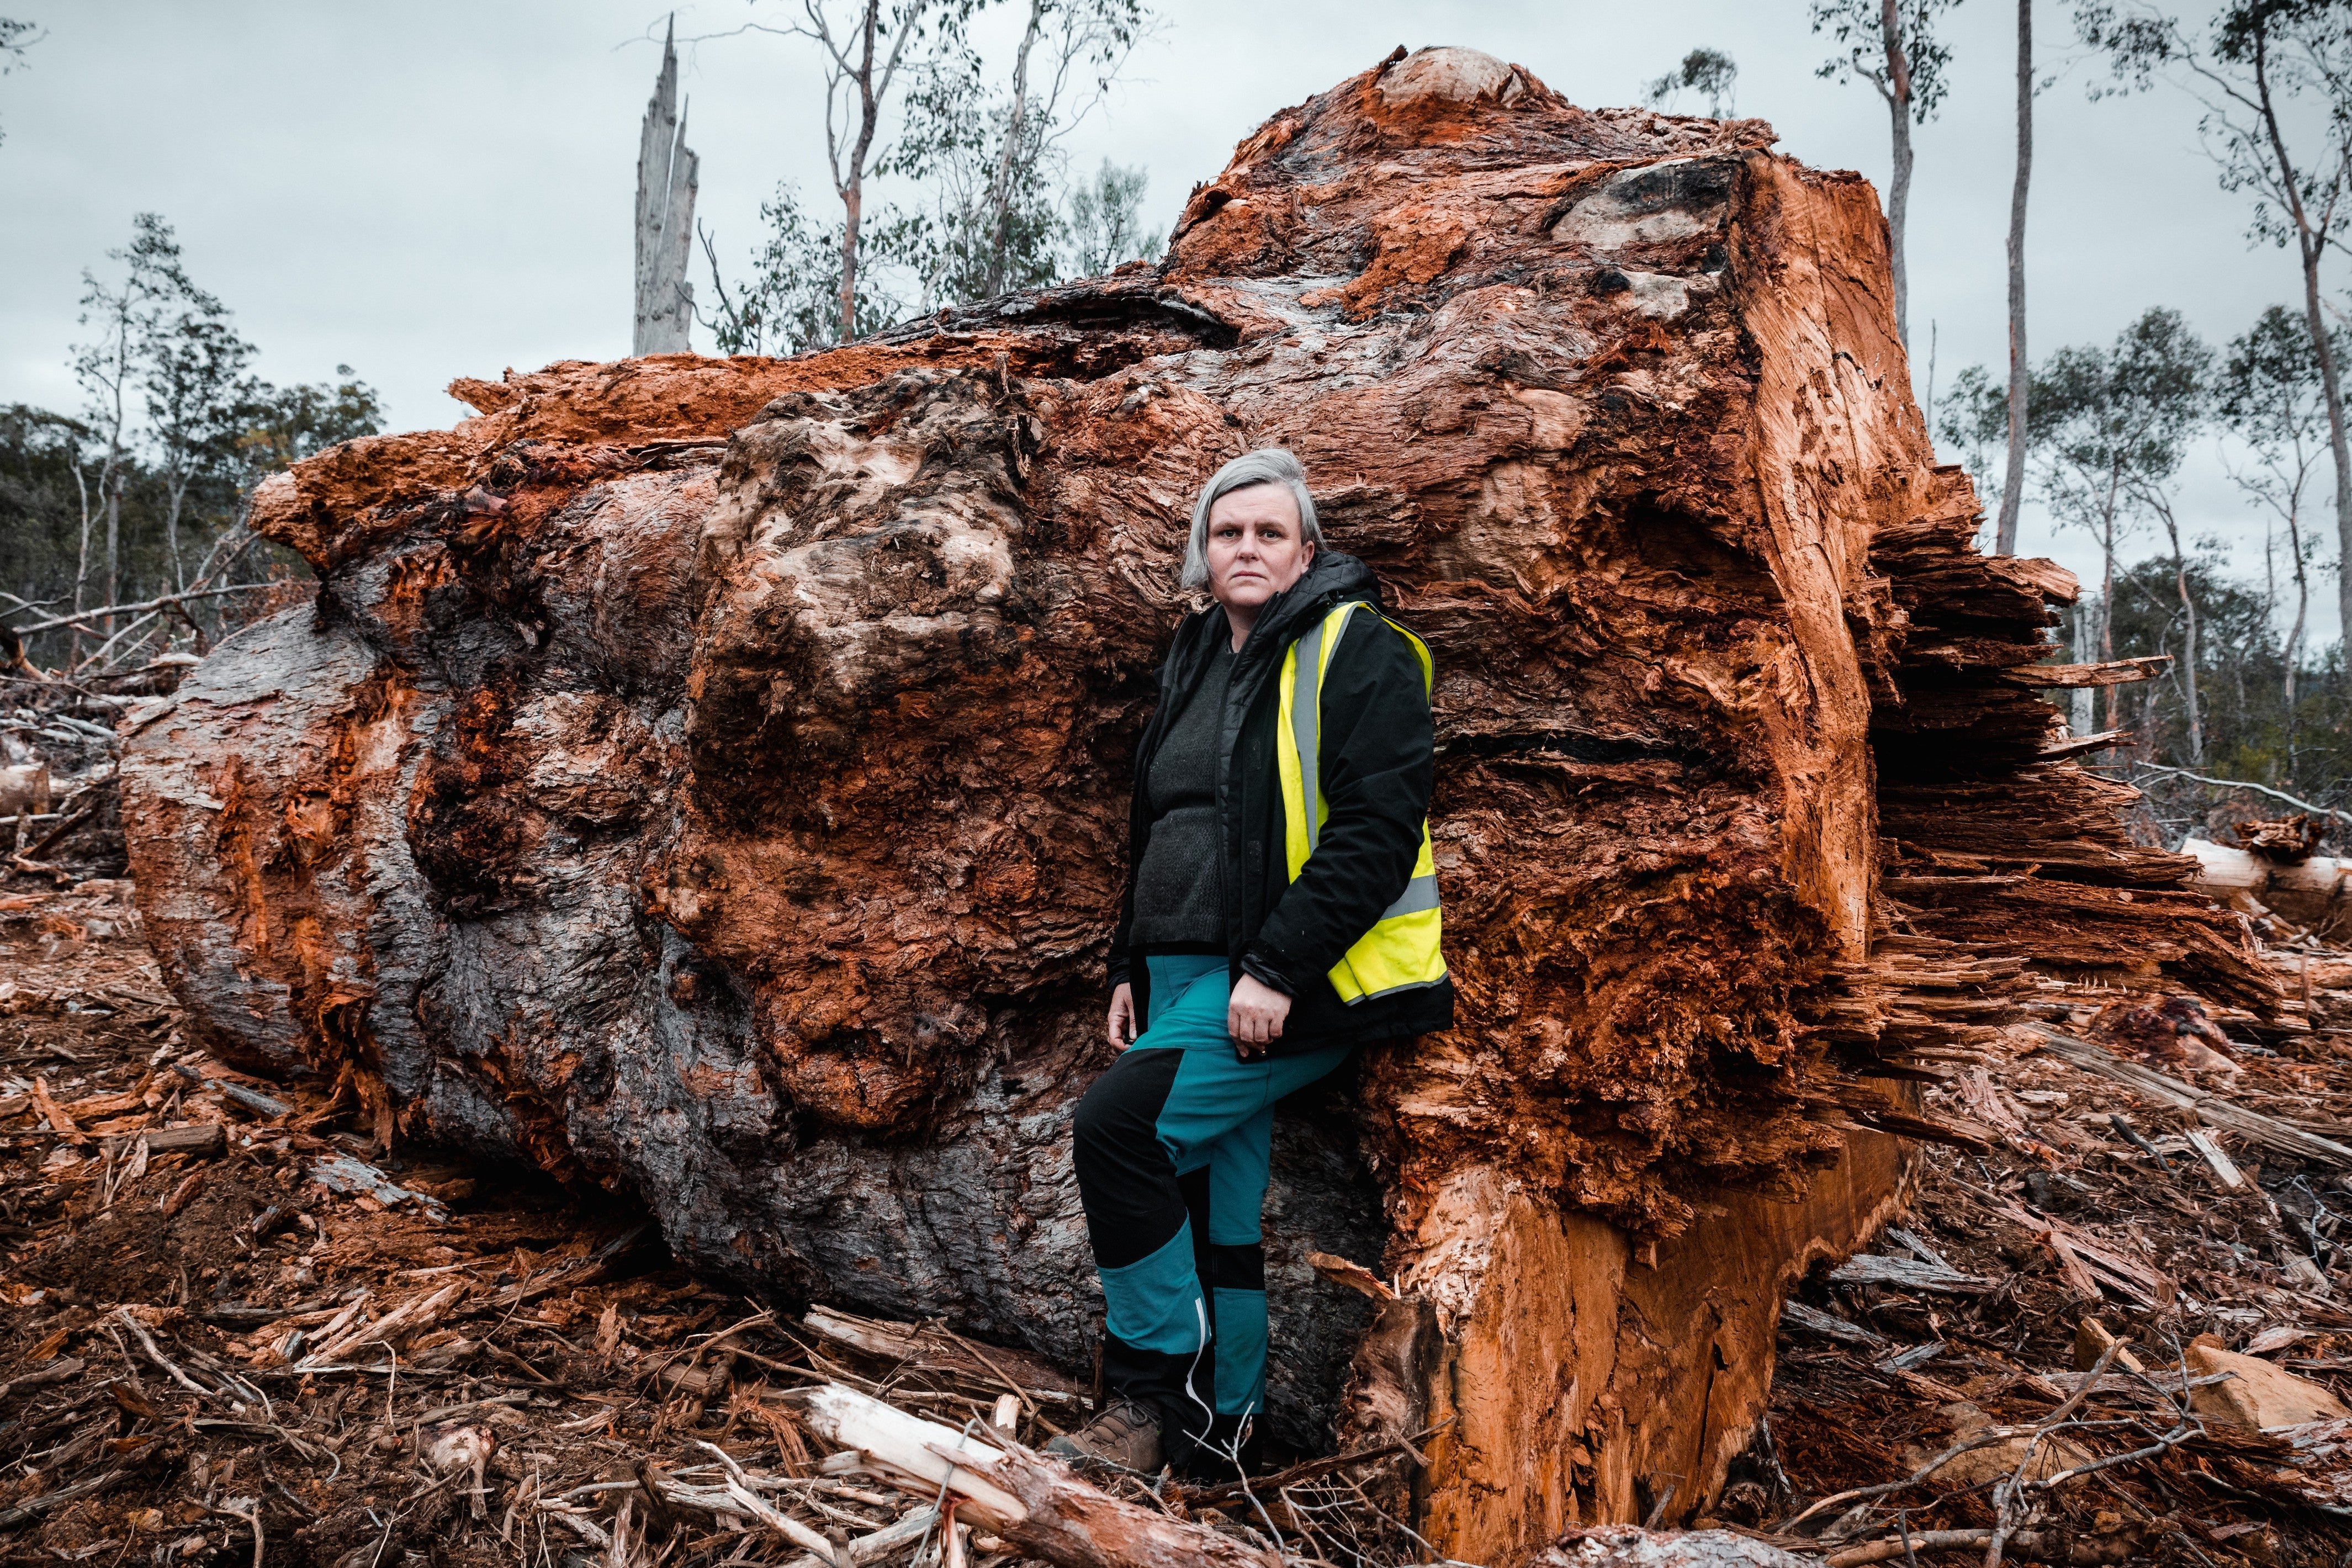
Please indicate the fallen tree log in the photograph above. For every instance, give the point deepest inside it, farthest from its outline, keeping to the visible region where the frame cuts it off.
(2310, 890)
(706, 777)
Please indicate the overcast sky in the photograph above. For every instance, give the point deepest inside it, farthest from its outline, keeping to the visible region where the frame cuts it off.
(437, 189)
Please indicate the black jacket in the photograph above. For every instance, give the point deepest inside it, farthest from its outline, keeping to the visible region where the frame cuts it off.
(1377, 764)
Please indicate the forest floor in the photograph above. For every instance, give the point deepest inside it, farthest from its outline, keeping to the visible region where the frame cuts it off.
(196, 1357)
(2109, 1213)
(196, 1360)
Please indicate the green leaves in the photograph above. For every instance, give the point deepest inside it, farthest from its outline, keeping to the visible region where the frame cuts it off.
(16, 38)
(1106, 222)
(1858, 28)
(2114, 423)
(790, 302)
(1710, 73)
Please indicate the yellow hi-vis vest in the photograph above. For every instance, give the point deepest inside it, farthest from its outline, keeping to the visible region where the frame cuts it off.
(1400, 952)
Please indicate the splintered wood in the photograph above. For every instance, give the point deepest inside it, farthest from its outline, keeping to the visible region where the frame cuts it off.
(2173, 1244)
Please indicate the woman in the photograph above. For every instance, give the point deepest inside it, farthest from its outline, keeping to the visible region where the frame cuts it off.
(1281, 910)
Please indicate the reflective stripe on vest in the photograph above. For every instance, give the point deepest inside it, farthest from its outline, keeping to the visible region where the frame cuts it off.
(1400, 952)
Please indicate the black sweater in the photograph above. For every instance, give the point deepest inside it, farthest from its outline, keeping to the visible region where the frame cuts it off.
(1376, 766)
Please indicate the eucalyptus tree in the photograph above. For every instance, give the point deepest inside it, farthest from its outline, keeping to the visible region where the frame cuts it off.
(991, 158)
(867, 52)
(790, 301)
(2109, 428)
(983, 152)
(2270, 397)
(1709, 73)
(126, 317)
(197, 393)
(1105, 223)
(1892, 44)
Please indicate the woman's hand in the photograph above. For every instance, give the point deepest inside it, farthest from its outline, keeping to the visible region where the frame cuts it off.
(1121, 1027)
(1254, 1016)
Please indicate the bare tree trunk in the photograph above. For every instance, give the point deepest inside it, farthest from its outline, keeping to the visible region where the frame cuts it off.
(852, 204)
(110, 478)
(852, 187)
(2083, 716)
(1000, 186)
(179, 488)
(668, 174)
(113, 548)
(2270, 574)
(2311, 244)
(2189, 646)
(1898, 190)
(2294, 637)
(2331, 382)
(2013, 485)
(2107, 608)
(81, 562)
(1927, 404)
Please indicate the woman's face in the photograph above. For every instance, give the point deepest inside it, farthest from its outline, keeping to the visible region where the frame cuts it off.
(1256, 548)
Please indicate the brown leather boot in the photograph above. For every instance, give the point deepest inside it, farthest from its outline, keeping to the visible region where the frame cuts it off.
(1125, 1437)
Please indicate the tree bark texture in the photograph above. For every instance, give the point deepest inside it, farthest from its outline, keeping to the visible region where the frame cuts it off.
(666, 178)
(708, 778)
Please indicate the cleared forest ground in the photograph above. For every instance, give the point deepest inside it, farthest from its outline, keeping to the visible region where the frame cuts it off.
(162, 1393)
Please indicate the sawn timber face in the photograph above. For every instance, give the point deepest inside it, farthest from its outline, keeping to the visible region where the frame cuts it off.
(707, 778)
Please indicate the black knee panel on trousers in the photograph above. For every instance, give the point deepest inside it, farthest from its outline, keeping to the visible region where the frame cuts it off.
(1239, 1268)
(1125, 1179)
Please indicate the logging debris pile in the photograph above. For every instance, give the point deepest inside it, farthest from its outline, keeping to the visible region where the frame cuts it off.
(232, 1321)
(2163, 1208)
(59, 810)
(266, 1324)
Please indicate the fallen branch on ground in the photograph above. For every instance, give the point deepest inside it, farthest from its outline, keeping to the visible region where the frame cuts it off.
(2029, 1545)
(2264, 1132)
(83, 617)
(1032, 1502)
(2278, 795)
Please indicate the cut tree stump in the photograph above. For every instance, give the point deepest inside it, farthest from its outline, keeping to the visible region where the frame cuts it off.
(709, 778)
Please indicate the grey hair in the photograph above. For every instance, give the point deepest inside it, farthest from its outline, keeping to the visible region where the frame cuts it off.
(1267, 466)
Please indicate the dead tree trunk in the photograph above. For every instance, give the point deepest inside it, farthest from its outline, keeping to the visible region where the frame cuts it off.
(2020, 376)
(666, 173)
(709, 778)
